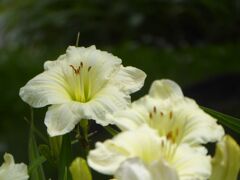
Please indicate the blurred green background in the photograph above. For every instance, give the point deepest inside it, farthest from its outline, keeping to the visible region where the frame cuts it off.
(194, 42)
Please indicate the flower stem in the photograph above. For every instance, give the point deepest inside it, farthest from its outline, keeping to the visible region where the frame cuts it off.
(84, 142)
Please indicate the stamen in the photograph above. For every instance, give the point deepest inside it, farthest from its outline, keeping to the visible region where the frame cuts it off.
(177, 131)
(155, 109)
(161, 113)
(171, 115)
(169, 135)
(76, 71)
(81, 64)
(150, 115)
(162, 144)
(89, 68)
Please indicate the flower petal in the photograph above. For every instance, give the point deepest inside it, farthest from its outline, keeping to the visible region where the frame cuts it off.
(135, 169)
(46, 88)
(131, 78)
(107, 157)
(108, 100)
(60, 119)
(226, 161)
(10, 170)
(192, 163)
(162, 170)
(164, 89)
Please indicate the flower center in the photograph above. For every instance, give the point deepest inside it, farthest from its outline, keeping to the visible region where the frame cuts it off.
(165, 124)
(80, 82)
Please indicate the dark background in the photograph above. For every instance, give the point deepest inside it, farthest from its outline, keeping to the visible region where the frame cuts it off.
(193, 42)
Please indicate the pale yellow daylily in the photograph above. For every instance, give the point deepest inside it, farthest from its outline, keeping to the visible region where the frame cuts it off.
(226, 162)
(142, 152)
(10, 170)
(84, 83)
(167, 110)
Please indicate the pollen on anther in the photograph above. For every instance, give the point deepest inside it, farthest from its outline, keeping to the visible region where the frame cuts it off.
(161, 113)
(76, 71)
(169, 135)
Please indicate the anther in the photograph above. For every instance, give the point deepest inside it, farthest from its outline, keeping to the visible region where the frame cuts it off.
(81, 64)
(89, 68)
(169, 135)
(76, 71)
(150, 115)
(161, 113)
(155, 109)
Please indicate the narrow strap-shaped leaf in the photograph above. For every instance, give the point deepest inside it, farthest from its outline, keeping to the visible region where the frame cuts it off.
(37, 132)
(65, 159)
(226, 120)
(37, 172)
(36, 163)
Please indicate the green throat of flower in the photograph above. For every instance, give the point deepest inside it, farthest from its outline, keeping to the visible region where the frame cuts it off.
(80, 83)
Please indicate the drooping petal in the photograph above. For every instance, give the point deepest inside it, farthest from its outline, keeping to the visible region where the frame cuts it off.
(177, 117)
(10, 170)
(226, 161)
(46, 88)
(60, 119)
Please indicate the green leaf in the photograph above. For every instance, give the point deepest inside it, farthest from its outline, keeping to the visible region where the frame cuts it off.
(37, 132)
(226, 120)
(110, 130)
(36, 163)
(79, 170)
(35, 160)
(45, 151)
(65, 158)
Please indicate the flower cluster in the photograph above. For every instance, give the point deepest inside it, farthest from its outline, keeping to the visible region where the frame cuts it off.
(163, 134)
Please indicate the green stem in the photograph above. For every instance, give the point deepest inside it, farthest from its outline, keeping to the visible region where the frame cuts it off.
(83, 139)
(55, 144)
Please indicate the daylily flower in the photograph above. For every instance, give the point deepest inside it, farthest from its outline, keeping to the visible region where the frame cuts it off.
(84, 83)
(142, 152)
(226, 162)
(9, 170)
(167, 110)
